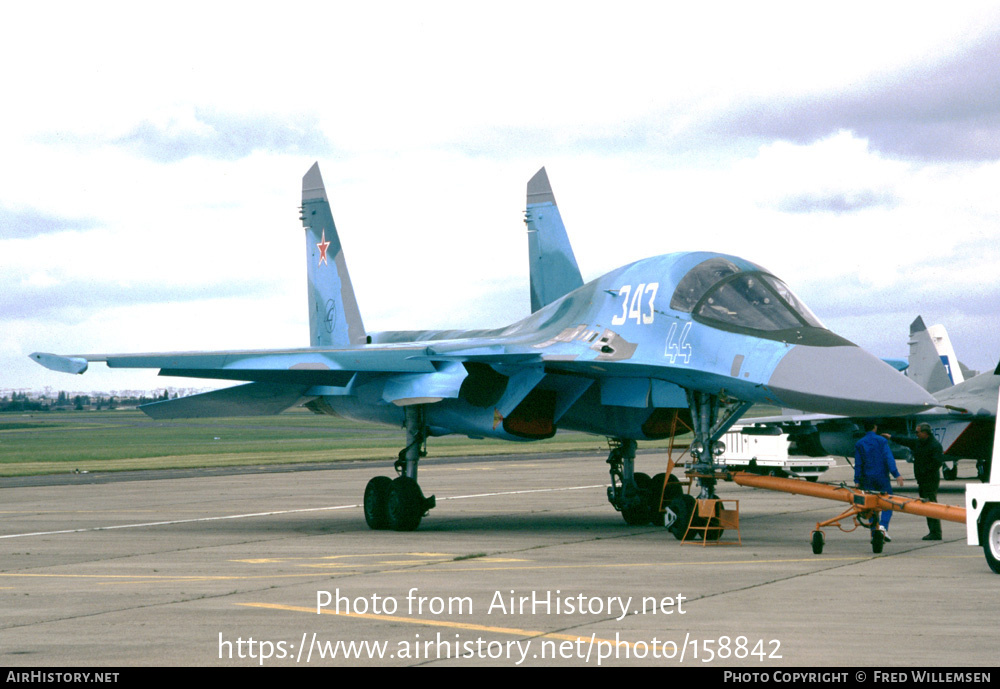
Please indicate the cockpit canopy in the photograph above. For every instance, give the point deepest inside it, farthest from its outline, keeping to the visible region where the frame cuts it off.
(719, 293)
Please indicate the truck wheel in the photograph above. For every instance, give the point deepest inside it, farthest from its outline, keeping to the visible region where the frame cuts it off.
(990, 536)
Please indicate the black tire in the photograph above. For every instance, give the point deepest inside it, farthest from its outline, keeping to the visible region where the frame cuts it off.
(674, 489)
(950, 474)
(656, 517)
(989, 536)
(715, 533)
(639, 513)
(983, 470)
(818, 541)
(682, 506)
(655, 489)
(671, 491)
(405, 504)
(377, 502)
(878, 541)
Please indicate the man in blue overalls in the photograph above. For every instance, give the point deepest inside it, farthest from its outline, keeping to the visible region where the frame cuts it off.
(873, 464)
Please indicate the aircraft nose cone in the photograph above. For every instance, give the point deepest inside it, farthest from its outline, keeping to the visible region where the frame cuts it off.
(847, 381)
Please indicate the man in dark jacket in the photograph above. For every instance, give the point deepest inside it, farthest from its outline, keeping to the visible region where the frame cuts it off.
(927, 459)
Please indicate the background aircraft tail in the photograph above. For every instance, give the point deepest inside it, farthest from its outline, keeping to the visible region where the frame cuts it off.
(933, 364)
(552, 265)
(334, 317)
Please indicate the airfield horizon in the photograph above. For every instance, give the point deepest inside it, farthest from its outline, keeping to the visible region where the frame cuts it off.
(39, 443)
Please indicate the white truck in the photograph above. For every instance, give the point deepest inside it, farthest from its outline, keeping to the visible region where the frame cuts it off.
(982, 511)
(769, 448)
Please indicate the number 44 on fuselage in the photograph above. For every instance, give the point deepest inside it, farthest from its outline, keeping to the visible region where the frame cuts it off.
(698, 335)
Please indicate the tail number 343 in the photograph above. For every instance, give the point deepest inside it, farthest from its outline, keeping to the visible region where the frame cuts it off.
(638, 308)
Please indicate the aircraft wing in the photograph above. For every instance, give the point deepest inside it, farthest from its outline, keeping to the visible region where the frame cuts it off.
(276, 379)
(790, 417)
(426, 371)
(310, 366)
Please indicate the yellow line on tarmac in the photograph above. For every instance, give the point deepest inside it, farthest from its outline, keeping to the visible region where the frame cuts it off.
(684, 563)
(145, 577)
(118, 579)
(155, 578)
(166, 578)
(613, 565)
(436, 623)
(272, 560)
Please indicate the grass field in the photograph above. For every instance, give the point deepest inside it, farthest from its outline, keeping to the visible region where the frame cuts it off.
(123, 440)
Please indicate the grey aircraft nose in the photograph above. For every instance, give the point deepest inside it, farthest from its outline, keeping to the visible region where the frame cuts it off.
(847, 381)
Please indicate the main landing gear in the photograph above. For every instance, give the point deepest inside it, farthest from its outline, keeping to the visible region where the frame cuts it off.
(635, 494)
(398, 503)
(639, 497)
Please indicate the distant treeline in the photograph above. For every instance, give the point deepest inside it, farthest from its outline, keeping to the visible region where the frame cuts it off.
(21, 402)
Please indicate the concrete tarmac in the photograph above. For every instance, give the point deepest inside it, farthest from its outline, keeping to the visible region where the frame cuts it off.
(522, 562)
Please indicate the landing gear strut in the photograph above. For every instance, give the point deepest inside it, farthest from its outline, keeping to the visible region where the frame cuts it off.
(711, 417)
(631, 493)
(398, 503)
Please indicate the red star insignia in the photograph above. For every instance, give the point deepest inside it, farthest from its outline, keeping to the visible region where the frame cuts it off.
(323, 246)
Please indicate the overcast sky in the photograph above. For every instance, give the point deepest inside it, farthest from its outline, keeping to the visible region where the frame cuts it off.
(151, 159)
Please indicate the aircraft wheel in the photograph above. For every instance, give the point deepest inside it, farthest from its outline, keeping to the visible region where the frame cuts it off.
(377, 502)
(405, 504)
(950, 474)
(672, 490)
(818, 541)
(878, 541)
(639, 512)
(712, 534)
(645, 485)
(682, 506)
(655, 487)
(990, 537)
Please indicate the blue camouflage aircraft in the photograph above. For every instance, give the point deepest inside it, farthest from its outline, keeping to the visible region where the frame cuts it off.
(693, 336)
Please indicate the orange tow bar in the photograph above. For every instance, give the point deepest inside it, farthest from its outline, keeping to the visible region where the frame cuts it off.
(864, 506)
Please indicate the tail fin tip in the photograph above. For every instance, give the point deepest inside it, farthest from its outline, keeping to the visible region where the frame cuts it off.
(552, 267)
(312, 184)
(539, 189)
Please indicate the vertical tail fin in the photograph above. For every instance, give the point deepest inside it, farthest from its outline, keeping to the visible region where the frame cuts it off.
(552, 265)
(933, 364)
(334, 317)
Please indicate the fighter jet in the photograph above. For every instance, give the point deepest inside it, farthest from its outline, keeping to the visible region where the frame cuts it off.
(699, 336)
(966, 421)
(963, 421)
(932, 363)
